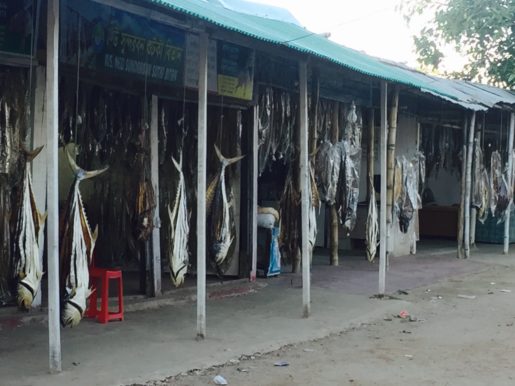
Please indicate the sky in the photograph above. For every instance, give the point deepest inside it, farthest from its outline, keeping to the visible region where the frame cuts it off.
(372, 26)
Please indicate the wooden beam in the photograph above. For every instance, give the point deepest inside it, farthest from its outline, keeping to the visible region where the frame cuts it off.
(304, 176)
(461, 213)
(201, 187)
(154, 176)
(334, 222)
(52, 114)
(254, 205)
(510, 184)
(468, 185)
(39, 168)
(382, 211)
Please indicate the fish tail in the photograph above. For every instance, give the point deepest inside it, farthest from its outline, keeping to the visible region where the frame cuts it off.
(78, 171)
(228, 161)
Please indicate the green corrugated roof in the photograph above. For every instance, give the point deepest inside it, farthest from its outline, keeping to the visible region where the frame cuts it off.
(299, 39)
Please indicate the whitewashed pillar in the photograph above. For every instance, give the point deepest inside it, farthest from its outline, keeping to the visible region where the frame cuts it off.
(510, 184)
(154, 175)
(304, 176)
(382, 211)
(52, 108)
(201, 187)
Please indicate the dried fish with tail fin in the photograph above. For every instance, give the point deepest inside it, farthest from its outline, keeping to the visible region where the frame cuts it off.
(222, 230)
(372, 226)
(77, 245)
(179, 223)
(27, 253)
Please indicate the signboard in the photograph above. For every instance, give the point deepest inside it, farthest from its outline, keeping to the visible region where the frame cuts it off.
(235, 71)
(192, 58)
(16, 26)
(116, 41)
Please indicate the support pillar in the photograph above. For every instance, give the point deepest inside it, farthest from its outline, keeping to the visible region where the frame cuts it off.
(382, 210)
(154, 178)
(510, 184)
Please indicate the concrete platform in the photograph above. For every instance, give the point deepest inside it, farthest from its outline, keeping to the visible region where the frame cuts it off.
(160, 341)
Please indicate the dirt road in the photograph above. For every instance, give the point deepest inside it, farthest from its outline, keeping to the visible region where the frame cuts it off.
(461, 332)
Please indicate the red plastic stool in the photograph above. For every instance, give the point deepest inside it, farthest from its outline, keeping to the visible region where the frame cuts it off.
(103, 275)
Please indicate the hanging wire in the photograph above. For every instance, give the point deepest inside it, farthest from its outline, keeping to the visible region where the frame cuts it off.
(34, 33)
(77, 86)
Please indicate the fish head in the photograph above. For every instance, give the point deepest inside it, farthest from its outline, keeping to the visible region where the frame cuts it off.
(75, 306)
(25, 296)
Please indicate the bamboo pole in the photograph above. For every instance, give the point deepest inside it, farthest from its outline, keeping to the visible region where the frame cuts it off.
(382, 212)
(154, 165)
(461, 213)
(254, 206)
(334, 223)
(506, 240)
(201, 187)
(468, 185)
(304, 176)
(52, 107)
(390, 161)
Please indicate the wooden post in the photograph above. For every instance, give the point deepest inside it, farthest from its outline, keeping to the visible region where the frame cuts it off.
(39, 168)
(473, 210)
(383, 206)
(390, 161)
(201, 187)
(254, 205)
(468, 185)
(52, 108)
(304, 176)
(334, 223)
(510, 184)
(370, 150)
(154, 175)
(461, 213)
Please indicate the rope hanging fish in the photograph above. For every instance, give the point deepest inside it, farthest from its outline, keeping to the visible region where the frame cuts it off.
(77, 245)
(30, 225)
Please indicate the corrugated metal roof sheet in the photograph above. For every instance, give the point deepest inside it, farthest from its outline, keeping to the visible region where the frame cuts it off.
(297, 38)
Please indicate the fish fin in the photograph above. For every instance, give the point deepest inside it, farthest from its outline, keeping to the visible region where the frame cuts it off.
(78, 171)
(178, 165)
(42, 217)
(229, 161)
(94, 236)
(30, 155)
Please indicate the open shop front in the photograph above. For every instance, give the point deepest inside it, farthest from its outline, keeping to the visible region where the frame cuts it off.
(136, 105)
(22, 184)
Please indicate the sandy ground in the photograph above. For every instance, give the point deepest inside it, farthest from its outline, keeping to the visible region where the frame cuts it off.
(461, 333)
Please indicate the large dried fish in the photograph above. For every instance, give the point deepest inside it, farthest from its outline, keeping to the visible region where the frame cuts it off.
(349, 186)
(495, 180)
(484, 190)
(314, 204)
(327, 167)
(179, 223)
(219, 205)
(144, 212)
(289, 238)
(77, 245)
(27, 253)
(372, 225)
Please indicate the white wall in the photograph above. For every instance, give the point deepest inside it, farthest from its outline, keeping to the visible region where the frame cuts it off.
(445, 187)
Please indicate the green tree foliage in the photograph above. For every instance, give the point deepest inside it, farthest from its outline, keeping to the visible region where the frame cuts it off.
(481, 30)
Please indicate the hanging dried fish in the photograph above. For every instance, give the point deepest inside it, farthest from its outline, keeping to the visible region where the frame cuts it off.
(476, 177)
(372, 225)
(30, 224)
(264, 128)
(484, 192)
(179, 224)
(6, 139)
(220, 218)
(349, 186)
(314, 204)
(289, 238)
(77, 245)
(495, 180)
(408, 195)
(421, 171)
(397, 187)
(327, 166)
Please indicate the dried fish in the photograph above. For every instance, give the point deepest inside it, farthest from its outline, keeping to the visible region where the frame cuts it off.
(484, 191)
(179, 223)
(27, 253)
(219, 206)
(289, 238)
(372, 225)
(314, 204)
(349, 185)
(327, 166)
(77, 245)
(495, 180)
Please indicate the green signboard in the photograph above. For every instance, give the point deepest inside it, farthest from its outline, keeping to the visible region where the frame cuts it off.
(16, 26)
(115, 41)
(235, 71)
